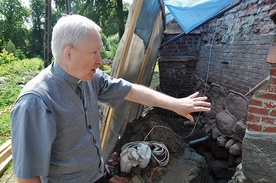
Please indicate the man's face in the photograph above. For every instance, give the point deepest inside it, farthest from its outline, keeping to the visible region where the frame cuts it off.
(86, 58)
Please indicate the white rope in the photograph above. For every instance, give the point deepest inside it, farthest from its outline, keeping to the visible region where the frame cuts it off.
(158, 150)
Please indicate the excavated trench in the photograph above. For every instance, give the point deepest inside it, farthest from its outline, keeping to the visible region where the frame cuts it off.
(208, 150)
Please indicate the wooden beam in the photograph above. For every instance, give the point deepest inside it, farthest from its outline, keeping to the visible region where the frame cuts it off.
(4, 164)
(119, 72)
(142, 69)
(259, 85)
(5, 145)
(5, 154)
(137, 8)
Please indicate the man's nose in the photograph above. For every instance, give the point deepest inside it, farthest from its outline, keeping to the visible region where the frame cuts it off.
(99, 60)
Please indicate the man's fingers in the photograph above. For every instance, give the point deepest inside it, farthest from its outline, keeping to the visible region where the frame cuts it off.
(194, 95)
(200, 98)
(203, 109)
(202, 103)
(189, 117)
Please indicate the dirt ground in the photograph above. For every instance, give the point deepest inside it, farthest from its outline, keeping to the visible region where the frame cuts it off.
(184, 165)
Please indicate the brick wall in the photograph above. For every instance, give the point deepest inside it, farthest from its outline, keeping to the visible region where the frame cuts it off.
(235, 46)
(262, 106)
(231, 50)
(175, 74)
(177, 62)
(187, 45)
(259, 161)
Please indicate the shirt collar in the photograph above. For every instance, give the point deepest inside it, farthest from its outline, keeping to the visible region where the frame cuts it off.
(68, 78)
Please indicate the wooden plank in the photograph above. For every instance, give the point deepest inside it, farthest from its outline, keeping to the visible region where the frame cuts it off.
(108, 118)
(138, 5)
(142, 69)
(106, 111)
(119, 73)
(5, 154)
(5, 145)
(4, 164)
(259, 85)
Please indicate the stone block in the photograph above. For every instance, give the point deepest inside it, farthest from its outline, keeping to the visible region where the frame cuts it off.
(258, 158)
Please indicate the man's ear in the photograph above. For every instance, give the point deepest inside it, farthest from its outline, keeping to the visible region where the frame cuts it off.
(67, 52)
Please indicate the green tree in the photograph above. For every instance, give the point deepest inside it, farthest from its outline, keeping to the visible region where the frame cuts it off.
(12, 18)
(10, 48)
(37, 11)
(110, 15)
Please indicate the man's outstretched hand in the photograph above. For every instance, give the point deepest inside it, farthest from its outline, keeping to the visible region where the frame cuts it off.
(191, 104)
(182, 106)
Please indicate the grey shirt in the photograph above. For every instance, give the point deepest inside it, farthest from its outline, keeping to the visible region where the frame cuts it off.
(35, 129)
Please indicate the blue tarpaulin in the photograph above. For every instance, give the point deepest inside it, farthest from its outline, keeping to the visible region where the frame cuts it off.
(144, 28)
(192, 13)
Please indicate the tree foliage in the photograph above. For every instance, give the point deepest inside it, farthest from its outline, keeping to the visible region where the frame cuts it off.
(22, 28)
(37, 12)
(12, 18)
(108, 14)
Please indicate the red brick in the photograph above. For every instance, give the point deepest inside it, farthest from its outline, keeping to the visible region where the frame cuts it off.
(270, 105)
(271, 88)
(255, 102)
(271, 96)
(254, 127)
(253, 118)
(273, 81)
(270, 120)
(270, 129)
(273, 113)
(273, 72)
(257, 110)
(117, 179)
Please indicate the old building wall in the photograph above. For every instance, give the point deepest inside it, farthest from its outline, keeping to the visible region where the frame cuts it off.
(232, 51)
(234, 47)
(177, 63)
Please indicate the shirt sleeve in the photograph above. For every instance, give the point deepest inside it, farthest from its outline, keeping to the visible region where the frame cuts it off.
(112, 91)
(33, 132)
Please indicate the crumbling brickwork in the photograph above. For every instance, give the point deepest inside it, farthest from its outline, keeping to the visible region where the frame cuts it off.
(262, 106)
(232, 53)
(236, 45)
(232, 49)
(177, 64)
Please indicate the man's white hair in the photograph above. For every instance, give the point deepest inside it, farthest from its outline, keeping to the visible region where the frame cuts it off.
(69, 30)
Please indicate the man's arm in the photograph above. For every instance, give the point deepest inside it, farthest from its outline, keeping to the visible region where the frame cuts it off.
(29, 180)
(182, 106)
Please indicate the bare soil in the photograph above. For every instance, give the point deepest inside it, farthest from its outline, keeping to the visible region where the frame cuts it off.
(185, 165)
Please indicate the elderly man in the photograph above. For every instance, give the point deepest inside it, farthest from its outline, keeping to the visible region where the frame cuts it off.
(55, 120)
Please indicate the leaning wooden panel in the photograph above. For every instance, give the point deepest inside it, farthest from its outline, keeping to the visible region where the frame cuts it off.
(118, 72)
(137, 68)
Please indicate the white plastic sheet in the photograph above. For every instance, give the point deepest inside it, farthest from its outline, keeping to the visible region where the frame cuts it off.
(192, 13)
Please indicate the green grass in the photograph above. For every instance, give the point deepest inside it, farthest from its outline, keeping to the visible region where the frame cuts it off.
(13, 76)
